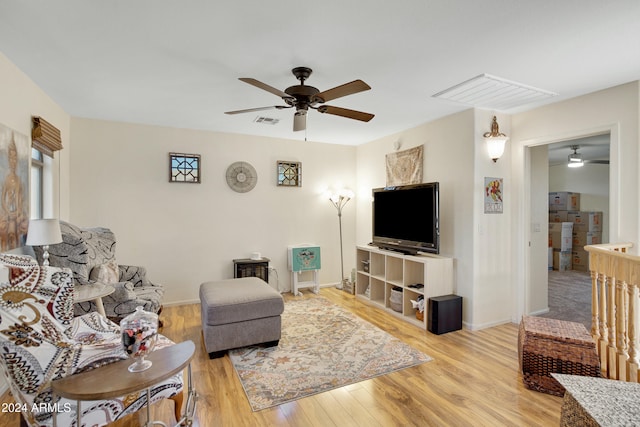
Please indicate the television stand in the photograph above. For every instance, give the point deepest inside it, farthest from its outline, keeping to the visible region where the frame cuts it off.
(398, 250)
(379, 270)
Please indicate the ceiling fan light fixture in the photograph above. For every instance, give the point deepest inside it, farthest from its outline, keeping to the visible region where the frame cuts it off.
(303, 97)
(575, 159)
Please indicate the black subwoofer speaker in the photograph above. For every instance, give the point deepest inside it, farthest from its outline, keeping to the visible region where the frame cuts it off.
(445, 314)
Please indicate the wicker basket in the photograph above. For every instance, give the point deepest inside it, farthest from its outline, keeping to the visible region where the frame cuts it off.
(547, 346)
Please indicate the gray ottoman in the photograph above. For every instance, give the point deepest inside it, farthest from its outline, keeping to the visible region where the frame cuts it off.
(239, 312)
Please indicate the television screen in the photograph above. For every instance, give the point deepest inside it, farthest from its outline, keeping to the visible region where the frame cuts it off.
(406, 218)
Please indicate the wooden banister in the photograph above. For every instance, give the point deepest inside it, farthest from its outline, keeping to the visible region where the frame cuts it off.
(615, 308)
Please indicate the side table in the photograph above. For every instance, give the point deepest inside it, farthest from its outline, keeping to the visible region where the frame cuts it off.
(95, 292)
(248, 267)
(115, 380)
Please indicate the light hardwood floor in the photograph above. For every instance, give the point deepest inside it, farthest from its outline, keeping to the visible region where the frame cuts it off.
(473, 380)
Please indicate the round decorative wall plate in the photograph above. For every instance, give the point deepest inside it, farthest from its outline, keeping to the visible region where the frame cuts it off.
(241, 177)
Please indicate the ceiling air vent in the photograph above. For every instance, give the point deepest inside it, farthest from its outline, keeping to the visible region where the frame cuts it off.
(266, 120)
(493, 92)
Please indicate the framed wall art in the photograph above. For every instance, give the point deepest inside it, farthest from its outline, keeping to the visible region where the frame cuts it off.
(184, 168)
(15, 155)
(405, 167)
(493, 195)
(289, 173)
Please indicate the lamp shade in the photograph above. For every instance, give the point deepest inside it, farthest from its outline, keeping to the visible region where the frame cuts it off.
(44, 232)
(495, 146)
(496, 141)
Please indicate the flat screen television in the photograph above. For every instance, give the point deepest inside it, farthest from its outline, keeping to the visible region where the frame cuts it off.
(406, 218)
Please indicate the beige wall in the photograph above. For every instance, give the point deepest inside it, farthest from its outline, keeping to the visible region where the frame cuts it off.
(21, 99)
(186, 234)
(449, 156)
(115, 175)
(616, 111)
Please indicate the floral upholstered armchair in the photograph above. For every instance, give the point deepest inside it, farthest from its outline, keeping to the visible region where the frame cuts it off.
(41, 341)
(90, 253)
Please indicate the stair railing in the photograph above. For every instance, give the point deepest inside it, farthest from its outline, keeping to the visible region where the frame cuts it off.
(615, 305)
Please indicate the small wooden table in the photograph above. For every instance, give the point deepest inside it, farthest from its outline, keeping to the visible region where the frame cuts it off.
(115, 380)
(95, 292)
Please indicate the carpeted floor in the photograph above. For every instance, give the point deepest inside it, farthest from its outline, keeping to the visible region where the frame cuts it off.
(322, 347)
(570, 296)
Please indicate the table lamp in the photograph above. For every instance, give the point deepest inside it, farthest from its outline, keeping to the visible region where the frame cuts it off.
(44, 232)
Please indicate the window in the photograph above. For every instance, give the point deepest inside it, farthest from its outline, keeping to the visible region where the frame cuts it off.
(37, 183)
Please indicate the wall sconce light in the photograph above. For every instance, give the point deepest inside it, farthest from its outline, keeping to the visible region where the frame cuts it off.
(495, 141)
(575, 159)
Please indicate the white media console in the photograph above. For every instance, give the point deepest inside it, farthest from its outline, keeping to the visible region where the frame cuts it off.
(379, 271)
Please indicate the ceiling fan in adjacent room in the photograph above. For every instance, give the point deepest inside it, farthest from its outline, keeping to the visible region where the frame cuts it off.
(575, 159)
(303, 97)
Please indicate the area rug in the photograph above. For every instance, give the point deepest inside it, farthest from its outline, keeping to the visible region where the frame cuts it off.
(322, 347)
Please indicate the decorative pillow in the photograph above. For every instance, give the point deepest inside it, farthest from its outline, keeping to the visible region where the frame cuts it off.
(105, 273)
(24, 282)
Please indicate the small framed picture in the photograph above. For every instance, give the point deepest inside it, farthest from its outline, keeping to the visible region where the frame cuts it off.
(184, 168)
(289, 173)
(493, 195)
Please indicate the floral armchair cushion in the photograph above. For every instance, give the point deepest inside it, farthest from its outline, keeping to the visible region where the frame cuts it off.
(41, 340)
(90, 253)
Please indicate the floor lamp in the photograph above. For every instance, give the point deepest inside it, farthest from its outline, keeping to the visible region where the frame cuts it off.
(338, 200)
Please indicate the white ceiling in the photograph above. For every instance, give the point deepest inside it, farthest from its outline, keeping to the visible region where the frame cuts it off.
(177, 63)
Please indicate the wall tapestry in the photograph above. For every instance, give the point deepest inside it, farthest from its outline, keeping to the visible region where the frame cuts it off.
(15, 155)
(405, 167)
(492, 195)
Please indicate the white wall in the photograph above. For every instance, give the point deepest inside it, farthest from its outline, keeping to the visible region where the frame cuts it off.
(592, 182)
(537, 299)
(186, 234)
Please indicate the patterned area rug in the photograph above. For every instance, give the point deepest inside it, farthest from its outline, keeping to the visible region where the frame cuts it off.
(322, 347)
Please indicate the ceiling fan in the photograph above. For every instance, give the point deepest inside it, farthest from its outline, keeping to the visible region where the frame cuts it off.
(302, 97)
(575, 159)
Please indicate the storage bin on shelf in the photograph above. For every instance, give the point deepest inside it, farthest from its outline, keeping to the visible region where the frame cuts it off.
(395, 299)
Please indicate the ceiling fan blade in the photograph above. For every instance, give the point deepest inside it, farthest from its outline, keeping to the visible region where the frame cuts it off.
(300, 121)
(345, 112)
(598, 162)
(248, 110)
(342, 90)
(265, 86)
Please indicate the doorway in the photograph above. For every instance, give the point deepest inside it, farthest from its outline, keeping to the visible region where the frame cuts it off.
(548, 172)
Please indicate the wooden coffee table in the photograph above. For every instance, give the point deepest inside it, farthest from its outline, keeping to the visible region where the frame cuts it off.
(115, 380)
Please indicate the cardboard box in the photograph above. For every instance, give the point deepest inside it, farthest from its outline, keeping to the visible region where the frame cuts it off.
(562, 260)
(561, 235)
(558, 216)
(564, 200)
(586, 221)
(584, 238)
(580, 260)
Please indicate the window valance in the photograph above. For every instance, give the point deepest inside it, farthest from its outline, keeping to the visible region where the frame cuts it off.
(45, 137)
